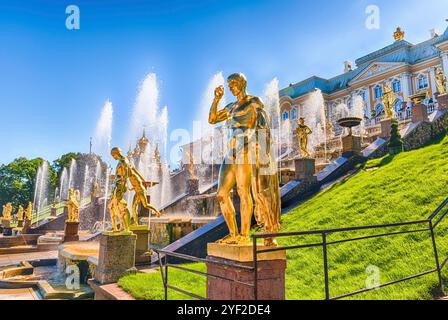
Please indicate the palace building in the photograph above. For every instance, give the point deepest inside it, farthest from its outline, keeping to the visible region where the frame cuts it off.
(408, 68)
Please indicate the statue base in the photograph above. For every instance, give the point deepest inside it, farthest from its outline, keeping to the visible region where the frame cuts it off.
(53, 212)
(192, 187)
(26, 226)
(351, 146)
(305, 169)
(19, 223)
(142, 244)
(419, 113)
(71, 231)
(442, 100)
(385, 128)
(271, 267)
(116, 256)
(6, 223)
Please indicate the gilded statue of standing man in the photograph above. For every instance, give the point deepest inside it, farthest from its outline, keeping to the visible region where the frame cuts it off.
(246, 121)
(441, 81)
(388, 100)
(303, 131)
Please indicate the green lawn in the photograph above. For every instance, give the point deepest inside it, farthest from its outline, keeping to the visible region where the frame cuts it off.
(406, 187)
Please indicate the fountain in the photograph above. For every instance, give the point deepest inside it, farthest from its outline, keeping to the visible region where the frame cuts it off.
(41, 191)
(63, 184)
(351, 145)
(71, 175)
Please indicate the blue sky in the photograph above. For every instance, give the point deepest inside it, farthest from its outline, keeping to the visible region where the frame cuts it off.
(54, 81)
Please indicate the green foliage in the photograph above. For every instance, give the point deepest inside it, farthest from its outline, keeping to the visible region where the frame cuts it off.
(17, 181)
(405, 187)
(64, 161)
(395, 143)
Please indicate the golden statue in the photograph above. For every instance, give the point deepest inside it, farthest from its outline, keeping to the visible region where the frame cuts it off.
(29, 211)
(303, 131)
(118, 207)
(20, 212)
(246, 120)
(441, 81)
(388, 100)
(398, 34)
(74, 196)
(139, 186)
(7, 211)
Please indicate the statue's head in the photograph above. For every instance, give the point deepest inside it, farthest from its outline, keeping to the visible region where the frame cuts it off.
(237, 83)
(302, 121)
(116, 153)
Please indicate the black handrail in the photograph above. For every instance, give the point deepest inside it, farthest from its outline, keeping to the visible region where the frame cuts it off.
(430, 225)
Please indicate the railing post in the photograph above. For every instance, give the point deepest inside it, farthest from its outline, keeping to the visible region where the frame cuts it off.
(436, 255)
(166, 277)
(254, 252)
(324, 246)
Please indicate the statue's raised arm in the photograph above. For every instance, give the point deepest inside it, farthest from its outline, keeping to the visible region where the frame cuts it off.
(216, 115)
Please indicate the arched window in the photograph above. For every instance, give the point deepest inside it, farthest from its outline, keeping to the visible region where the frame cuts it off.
(378, 92)
(285, 115)
(422, 82)
(294, 114)
(396, 86)
(398, 105)
(379, 109)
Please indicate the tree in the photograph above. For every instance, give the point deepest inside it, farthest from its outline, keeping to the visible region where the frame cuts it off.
(395, 144)
(64, 161)
(18, 179)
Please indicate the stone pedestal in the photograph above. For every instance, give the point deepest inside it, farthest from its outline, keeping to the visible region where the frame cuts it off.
(142, 244)
(20, 223)
(305, 169)
(385, 128)
(71, 231)
(271, 268)
(419, 113)
(192, 187)
(6, 228)
(53, 212)
(116, 256)
(351, 146)
(26, 226)
(443, 101)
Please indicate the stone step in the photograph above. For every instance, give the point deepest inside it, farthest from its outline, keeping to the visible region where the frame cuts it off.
(19, 249)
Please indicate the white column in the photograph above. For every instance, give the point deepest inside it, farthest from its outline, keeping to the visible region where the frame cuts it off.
(406, 85)
(444, 57)
(432, 79)
(368, 106)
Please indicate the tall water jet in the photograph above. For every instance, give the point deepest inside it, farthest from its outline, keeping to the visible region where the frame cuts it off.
(72, 175)
(315, 117)
(146, 108)
(41, 188)
(272, 106)
(63, 184)
(86, 183)
(103, 130)
(358, 112)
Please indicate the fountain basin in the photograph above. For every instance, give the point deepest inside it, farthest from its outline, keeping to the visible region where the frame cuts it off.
(349, 122)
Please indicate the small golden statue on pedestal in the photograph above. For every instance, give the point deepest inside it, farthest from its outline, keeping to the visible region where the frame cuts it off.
(29, 211)
(303, 131)
(72, 203)
(398, 34)
(20, 213)
(441, 81)
(7, 211)
(388, 100)
(247, 164)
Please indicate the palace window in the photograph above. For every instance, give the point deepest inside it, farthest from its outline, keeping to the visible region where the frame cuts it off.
(396, 86)
(294, 114)
(378, 109)
(378, 92)
(285, 115)
(398, 105)
(422, 82)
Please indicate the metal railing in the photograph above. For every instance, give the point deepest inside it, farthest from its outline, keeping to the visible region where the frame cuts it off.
(421, 226)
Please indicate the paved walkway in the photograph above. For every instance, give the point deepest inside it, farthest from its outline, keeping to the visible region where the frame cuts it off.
(18, 257)
(18, 294)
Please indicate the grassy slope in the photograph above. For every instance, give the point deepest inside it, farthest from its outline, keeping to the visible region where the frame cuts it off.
(406, 187)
